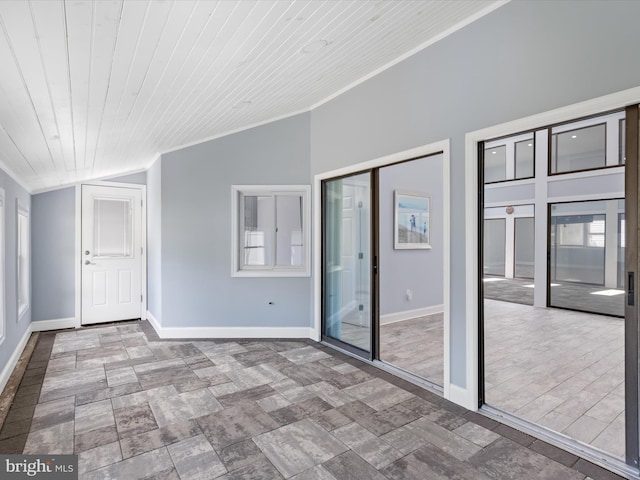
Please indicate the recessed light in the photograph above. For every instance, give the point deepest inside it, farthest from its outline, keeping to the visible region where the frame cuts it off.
(314, 46)
(574, 136)
(494, 152)
(529, 144)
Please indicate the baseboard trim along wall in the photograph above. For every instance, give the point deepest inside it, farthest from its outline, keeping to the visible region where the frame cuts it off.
(228, 332)
(57, 324)
(409, 314)
(13, 360)
(34, 326)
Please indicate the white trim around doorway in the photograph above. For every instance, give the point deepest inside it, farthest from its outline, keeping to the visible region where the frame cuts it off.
(468, 397)
(78, 245)
(442, 147)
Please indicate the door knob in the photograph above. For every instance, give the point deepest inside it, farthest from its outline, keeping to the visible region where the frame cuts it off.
(86, 252)
(88, 262)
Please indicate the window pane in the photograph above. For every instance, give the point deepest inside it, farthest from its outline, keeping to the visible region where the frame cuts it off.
(347, 264)
(113, 227)
(289, 244)
(586, 271)
(524, 247)
(495, 164)
(579, 149)
(494, 246)
(258, 230)
(621, 250)
(622, 143)
(524, 159)
(23, 262)
(577, 244)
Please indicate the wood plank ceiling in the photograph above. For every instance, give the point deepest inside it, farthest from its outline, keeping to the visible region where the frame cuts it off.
(90, 89)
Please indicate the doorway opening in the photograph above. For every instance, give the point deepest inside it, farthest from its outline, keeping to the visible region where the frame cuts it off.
(552, 283)
(384, 252)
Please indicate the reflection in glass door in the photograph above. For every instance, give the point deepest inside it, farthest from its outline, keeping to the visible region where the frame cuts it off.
(347, 260)
(563, 373)
(586, 256)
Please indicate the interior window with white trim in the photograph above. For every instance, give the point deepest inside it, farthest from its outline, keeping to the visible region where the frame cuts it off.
(271, 230)
(510, 158)
(23, 259)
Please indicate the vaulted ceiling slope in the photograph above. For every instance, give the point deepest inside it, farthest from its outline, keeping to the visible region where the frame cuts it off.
(90, 89)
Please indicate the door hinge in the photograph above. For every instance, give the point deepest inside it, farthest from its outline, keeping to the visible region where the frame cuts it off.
(140, 298)
(141, 250)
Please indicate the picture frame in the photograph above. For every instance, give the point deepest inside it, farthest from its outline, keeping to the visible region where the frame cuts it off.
(412, 221)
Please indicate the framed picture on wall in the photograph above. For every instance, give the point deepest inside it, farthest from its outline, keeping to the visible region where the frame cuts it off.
(412, 221)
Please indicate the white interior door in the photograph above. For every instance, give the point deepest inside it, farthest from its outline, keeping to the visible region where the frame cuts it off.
(111, 253)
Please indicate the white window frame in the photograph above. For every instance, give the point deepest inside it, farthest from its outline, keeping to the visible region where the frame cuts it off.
(237, 215)
(22, 211)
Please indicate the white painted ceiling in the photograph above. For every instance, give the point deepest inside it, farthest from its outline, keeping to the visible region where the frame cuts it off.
(90, 89)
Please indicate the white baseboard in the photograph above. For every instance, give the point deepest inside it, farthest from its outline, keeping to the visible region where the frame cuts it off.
(314, 334)
(409, 314)
(34, 326)
(13, 360)
(229, 332)
(154, 323)
(56, 324)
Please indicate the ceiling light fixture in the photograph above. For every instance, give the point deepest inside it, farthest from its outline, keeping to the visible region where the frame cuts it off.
(574, 136)
(529, 144)
(314, 46)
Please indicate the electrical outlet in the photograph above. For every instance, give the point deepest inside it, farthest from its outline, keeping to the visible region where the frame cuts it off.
(409, 294)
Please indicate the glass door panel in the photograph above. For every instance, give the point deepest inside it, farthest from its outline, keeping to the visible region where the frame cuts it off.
(524, 247)
(586, 256)
(347, 260)
(494, 247)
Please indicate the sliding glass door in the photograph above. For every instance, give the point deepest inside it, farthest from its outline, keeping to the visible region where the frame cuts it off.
(347, 246)
(554, 353)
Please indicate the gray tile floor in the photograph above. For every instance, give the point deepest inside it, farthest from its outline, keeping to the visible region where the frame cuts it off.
(415, 345)
(572, 296)
(561, 369)
(135, 407)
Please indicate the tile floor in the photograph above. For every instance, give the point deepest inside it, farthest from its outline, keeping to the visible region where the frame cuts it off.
(561, 369)
(135, 407)
(416, 346)
(573, 296)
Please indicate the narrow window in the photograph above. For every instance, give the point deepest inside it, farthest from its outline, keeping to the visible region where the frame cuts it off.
(23, 267)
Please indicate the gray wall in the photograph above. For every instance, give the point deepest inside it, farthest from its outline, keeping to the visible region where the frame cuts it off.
(14, 329)
(523, 58)
(417, 270)
(197, 287)
(154, 240)
(53, 254)
(138, 178)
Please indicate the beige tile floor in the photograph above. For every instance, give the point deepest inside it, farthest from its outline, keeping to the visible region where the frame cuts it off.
(561, 369)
